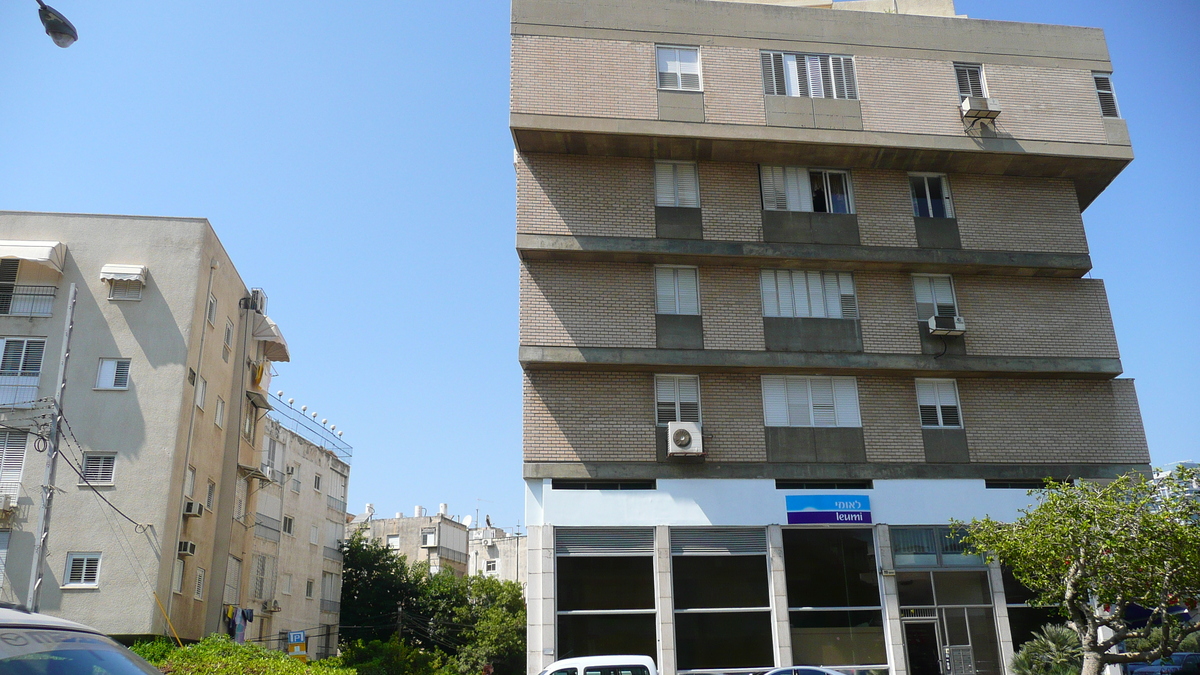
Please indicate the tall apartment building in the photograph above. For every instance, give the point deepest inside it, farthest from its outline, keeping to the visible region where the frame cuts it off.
(165, 388)
(495, 552)
(799, 286)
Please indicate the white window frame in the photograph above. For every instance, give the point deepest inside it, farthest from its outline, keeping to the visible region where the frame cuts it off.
(233, 572)
(810, 401)
(661, 383)
(285, 584)
(663, 55)
(947, 199)
(198, 585)
(177, 577)
(314, 534)
(808, 294)
(789, 188)
(83, 581)
(945, 393)
(99, 458)
(317, 482)
(926, 284)
(289, 525)
(490, 566)
(825, 75)
(130, 290)
(309, 588)
(210, 312)
(429, 536)
(219, 413)
(201, 391)
(677, 184)
(108, 374)
(189, 482)
(392, 541)
(1106, 87)
(13, 447)
(210, 496)
(978, 67)
(673, 297)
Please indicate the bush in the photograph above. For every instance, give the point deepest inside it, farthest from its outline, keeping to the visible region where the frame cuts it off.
(393, 657)
(1055, 650)
(155, 651)
(219, 655)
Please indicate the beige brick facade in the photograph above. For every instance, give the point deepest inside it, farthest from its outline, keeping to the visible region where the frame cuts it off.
(733, 87)
(1053, 104)
(587, 304)
(1037, 421)
(883, 202)
(1013, 213)
(732, 308)
(908, 96)
(732, 414)
(1019, 316)
(891, 426)
(584, 77)
(585, 196)
(730, 201)
(888, 312)
(588, 417)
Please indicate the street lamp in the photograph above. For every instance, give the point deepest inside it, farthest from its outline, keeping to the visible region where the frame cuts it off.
(57, 27)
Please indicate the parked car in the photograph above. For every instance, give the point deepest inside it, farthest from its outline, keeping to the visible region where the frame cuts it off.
(603, 665)
(36, 644)
(803, 670)
(1180, 663)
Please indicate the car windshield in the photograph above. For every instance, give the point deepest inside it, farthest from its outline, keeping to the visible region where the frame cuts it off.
(42, 651)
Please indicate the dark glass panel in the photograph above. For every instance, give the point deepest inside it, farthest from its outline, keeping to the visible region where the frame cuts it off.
(605, 583)
(733, 640)
(962, 588)
(838, 638)
(915, 588)
(593, 634)
(830, 568)
(720, 581)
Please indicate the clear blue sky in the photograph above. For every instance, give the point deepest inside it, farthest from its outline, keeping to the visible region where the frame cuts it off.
(356, 162)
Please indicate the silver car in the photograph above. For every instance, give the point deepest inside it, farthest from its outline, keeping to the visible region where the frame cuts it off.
(36, 644)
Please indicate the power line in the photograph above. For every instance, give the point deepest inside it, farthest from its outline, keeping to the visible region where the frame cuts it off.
(138, 527)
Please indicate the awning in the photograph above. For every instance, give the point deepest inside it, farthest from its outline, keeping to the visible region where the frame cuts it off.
(114, 272)
(259, 400)
(252, 472)
(52, 254)
(266, 331)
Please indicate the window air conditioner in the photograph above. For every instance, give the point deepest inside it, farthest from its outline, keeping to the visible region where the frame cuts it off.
(487, 542)
(192, 509)
(979, 108)
(947, 325)
(8, 503)
(683, 440)
(187, 548)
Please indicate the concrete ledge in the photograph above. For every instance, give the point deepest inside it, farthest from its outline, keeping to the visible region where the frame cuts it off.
(867, 471)
(808, 256)
(721, 360)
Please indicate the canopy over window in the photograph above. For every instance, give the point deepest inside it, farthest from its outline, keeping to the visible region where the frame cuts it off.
(113, 272)
(275, 347)
(52, 254)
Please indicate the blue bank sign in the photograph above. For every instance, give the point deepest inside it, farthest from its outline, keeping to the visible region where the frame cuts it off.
(804, 509)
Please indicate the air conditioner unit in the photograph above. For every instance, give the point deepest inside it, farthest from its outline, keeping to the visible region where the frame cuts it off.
(187, 548)
(979, 108)
(8, 503)
(258, 300)
(192, 509)
(487, 542)
(271, 606)
(683, 440)
(947, 325)
(291, 470)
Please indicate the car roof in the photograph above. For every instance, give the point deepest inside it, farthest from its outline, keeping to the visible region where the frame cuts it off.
(15, 618)
(608, 660)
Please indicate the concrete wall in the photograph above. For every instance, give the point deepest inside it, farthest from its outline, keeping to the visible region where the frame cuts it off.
(450, 553)
(509, 553)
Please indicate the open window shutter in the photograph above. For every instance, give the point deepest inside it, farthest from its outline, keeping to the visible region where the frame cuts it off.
(947, 395)
(816, 295)
(796, 75)
(964, 80)
(833, 296)
(688, 290)
(8, 271)
(849, 82)
(1108, 98)
(845, 398)
(774, 83)
(121, 374)
(827, 77)
(813, 71)
(799, 294)
(770, 293)
(665, 397)
(798, 189)
(774, 190)
(824, 413)
(689, 399)
(689, 68)
(687, 185)
(927, 401)
(775, 401)
(107, 374)
(10, 362)
(943, 294)
(923, 290)
(668, 77)
(12, 460)
(31, 363)
(664, 290)
(848, 301)
(799, 402)
(664, 184)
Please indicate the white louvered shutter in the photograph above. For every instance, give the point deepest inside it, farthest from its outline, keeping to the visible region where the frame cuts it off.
(668, 76)
(799, 402)
(812, 66)
(927, 401)
(970, 79)
(943, 296)
(664, 184)
(121, 374)
(947, 394)
(824, 413)
(848, 301)
(775, 401)
(687, 185)
(122, 289)
(773, 74)
(688, 290)
(796, 290)
(233, 581)
(199, 588)
(666, 397)
(12, 461)
(770, 292)
(833, 295)
(816, 295)
(797, 75)
(689, 69)
(31, 364)
(664, 291)
(1106, 95)
(177, 576)
(774, 190)
(845, 396)
(99, 468)
(689, 399)
(844, 82)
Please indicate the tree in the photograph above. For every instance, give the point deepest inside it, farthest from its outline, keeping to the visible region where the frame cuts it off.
(1054, 650)
(495, 612)
(1095, 550)
(374, 580)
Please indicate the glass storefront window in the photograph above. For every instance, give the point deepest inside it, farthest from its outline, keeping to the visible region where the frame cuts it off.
(838, 638)
(961, 588)
(930, 547)
(724, 581)
(593, 634)
(605, 583)
(831, 568)
(914, 588)
(724, 640)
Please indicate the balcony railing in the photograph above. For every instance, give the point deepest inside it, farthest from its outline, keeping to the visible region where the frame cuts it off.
(333, 554)
(336, 504)
(331, 606)
(26, 300)
(18, 390)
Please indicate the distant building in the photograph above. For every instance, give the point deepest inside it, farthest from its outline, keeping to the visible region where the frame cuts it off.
(439, 539)
(494, 552)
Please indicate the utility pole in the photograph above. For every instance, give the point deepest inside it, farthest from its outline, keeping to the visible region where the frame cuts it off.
(43, 528)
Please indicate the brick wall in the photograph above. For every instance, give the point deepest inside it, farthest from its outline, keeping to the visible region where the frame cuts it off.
(595, 417)
(888, 312)
(891, 425)
(1019, 316)
(883, 201)
(733, 87)
(1053, 104)
(731, 408)
(1011, 213)
(731, 201)
(732, 308)
(587, 304)
(1085, 421)
(585, 196)
(908, 95)
(577, 76)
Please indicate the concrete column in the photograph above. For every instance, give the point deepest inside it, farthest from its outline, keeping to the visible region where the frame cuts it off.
(781, 625)
(893, 631)
(540, 597)
(1000, 607)
(664, 593)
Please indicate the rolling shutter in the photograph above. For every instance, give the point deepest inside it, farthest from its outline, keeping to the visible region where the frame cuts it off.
(679, 68)
(935, 296)
(677, 398)
(602, 541)
(718, 541)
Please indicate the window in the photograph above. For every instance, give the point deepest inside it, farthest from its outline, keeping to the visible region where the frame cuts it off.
(233, 581)
(1104, 92)
(308, 589)
(393, 542)
(795, 293)
(249, 422)
(489, 566)
(819, 484)
(588, 484)
(289, 525)
(285, 584)
(211, 497)
(12, 461)
(20, 370)
(930, 547)
(931, 196)
(676, 184)
(262, 578)
(791, 401)
(219, 414)
(676, 290)
(199, 586)
(113, 374)
(241, 491)
(271, 453)
(938, 403)
(813, 75)
(98, 467)
(228, 342)
(201, 392)
(677, 398)
(793, 188)
(83, 569)
(314, 535)
(4, 536)
(317, 482)
(189, 482)
(211, 312)
(679, 68)
(970, 80)
(330, 586)
(429, 536)
(935, 296)
(177, 576)
(296, 480)
(125, 289)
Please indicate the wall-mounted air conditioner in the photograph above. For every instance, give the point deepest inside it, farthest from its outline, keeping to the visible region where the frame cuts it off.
(187, 548)
(980, 108)
(683, 440)
(947, 325)
(192, 509)
(8, 503)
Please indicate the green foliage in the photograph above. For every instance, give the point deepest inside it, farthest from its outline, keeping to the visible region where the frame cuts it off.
(1096, 549)
(219, 655)
(374, 580)
(155, 651)
(393, 657)
(1190, 644)
(1054, 650)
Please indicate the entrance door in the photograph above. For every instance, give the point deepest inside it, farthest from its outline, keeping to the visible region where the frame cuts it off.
(921, 646)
